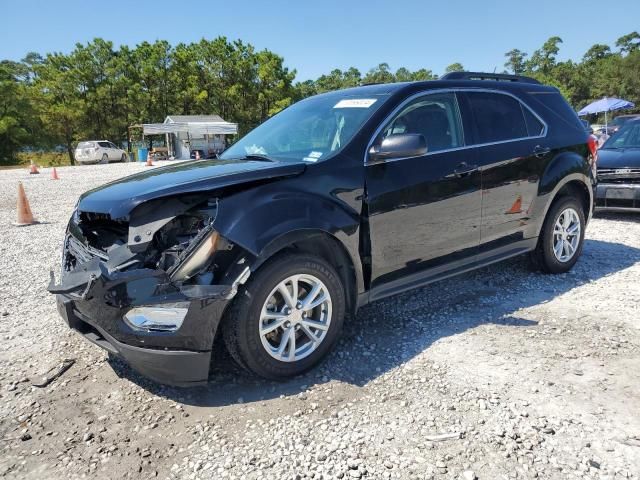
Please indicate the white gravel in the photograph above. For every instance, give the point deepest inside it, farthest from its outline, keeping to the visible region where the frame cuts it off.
(501, 373)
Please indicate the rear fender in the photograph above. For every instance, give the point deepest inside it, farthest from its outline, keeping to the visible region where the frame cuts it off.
(566, 167)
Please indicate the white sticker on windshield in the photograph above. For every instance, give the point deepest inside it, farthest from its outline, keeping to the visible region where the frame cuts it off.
(310, 159)
(315, 154)
(355, 103)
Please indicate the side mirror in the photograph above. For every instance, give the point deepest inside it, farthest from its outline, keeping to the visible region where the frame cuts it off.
(398, 146)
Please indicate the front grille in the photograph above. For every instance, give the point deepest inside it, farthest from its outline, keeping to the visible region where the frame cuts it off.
(76, 252)
(619, 175)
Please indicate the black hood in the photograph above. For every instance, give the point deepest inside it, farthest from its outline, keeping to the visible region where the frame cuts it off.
(619, 158)
(119, 198)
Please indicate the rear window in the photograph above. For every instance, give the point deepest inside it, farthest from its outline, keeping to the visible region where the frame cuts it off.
(555, 104)
(86, 145)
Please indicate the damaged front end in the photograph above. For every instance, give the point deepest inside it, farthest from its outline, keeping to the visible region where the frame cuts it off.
(151, 287)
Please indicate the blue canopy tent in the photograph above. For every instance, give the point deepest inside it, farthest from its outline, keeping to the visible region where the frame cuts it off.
(606, 105)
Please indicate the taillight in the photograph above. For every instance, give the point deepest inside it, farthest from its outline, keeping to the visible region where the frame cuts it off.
(592, 143)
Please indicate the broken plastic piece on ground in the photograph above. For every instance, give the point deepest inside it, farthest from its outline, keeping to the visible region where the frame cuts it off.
(54, 373)
(443, 436)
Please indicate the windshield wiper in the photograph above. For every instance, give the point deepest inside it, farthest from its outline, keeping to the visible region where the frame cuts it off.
(257, 156)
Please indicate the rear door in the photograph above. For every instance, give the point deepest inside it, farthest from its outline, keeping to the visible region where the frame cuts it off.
(512, 152)
(104, 150)
(423, 212)
(115, 153)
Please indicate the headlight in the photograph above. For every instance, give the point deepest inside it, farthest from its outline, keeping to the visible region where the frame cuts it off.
(195, 260)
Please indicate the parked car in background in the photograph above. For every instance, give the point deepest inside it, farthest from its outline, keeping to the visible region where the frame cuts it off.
(339, 200)
(587, 126)
(99, 151)
(620, 121)
(618, 169)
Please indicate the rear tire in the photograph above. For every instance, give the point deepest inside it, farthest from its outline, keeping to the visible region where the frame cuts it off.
(250, 332)
(561, 238)
(123, 158)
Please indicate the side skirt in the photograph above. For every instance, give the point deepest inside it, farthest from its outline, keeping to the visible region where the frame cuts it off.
(420, 279)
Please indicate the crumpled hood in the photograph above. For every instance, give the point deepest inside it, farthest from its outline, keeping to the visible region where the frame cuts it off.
(622, 158)
(119, 198)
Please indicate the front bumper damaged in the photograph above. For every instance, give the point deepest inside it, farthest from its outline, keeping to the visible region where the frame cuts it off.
(94, 298)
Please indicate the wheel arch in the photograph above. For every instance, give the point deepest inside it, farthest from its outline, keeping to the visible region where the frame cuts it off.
(326, 246)
(567, 174)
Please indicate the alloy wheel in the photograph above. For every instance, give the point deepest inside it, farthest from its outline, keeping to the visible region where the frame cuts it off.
(566, 235)
(295, 318)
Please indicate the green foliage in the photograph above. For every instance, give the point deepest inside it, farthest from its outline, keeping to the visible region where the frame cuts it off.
(98, 91)
(515, 61)
(454, 67)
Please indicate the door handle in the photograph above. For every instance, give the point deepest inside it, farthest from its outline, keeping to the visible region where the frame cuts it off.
(463, 170)
(541, 151)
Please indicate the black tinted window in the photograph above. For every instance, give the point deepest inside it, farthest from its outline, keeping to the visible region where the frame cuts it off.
(534, 126)
(435, 117)
(104, 144)
(497, 117)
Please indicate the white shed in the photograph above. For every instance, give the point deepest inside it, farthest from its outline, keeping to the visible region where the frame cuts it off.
(185, 133)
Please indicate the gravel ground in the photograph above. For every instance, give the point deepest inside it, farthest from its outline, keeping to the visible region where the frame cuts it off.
(501, 373)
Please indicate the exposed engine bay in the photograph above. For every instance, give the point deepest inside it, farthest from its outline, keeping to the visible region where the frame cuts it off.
(173, 237)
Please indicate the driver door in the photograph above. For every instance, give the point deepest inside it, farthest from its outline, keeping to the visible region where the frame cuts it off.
(424, 211)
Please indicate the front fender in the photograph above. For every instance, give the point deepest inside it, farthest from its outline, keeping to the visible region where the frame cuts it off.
(263, 221)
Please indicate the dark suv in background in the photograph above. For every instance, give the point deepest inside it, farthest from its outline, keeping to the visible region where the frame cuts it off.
(619, 170)
(339, 200)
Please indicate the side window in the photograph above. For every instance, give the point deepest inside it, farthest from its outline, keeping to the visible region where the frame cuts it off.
(497, 117)
(104, 144)
(436, 117)
(535, 128)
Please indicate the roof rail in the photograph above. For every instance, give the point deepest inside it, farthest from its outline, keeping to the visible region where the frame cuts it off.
(505, 77)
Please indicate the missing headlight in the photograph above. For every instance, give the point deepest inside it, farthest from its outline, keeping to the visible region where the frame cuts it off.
(198, 258)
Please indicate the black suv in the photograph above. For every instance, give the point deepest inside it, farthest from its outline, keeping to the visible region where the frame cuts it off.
(339, 200)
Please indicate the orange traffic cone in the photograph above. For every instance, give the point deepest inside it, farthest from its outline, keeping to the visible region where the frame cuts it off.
(33, 169)
(54, 174)
(517, 206)
(25, 217)
(149, 162)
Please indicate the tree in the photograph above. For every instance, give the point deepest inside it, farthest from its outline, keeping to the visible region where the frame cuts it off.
(629, 43)
(379, 74)
(544, 59)
(57, 97)
(515, 61)
(596, 52)
(15, 110)
(454, 67)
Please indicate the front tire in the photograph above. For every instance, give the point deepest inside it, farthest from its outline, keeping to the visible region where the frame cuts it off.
(287, 317)
(104, 159)
(561, 238)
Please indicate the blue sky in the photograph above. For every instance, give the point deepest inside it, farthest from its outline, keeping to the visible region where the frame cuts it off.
(317, 36)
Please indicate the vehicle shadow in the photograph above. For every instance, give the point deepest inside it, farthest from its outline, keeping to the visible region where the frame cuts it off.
(620, 216)
(390, 332)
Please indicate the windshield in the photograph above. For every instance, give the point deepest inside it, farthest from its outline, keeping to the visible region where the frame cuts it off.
(310, 130)
(627, 137)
